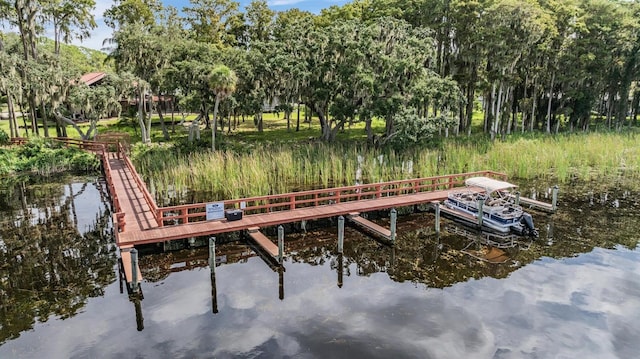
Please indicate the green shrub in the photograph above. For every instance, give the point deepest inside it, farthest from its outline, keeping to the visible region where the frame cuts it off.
(4, 138)
(45, 157)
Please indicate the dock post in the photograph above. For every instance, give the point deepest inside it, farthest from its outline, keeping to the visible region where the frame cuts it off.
(340, 270)
(340, 234)
(212, 267)
(480, 212)
(436, 206)
(212, 254)
(281, 283)
(139, 318)
(517, 198)
(280, 244)
(394, 219)
(134, 270)
(554, 200)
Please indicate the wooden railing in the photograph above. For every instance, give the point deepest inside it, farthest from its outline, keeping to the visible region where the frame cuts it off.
(88, 145)
(19, 140)
(140, 184)
(264, 204)
(197, 212)
(119, 222)
(101, 149)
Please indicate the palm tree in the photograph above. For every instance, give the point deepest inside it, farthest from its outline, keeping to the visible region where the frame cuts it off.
(223, 81)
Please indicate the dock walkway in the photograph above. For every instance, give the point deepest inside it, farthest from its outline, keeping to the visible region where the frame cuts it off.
(142, 222)
(138, 220)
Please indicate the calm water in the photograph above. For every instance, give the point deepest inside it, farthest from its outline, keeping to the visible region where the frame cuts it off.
(573, 293)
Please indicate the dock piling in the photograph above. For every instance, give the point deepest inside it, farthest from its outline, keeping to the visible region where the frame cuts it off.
(394, 219)
(480, 212)
(436, 206)
(212, 267)
(212, 254)
(517, 198)
(138, 308)
(554, 200)
(340, 270)
(281, 283)
(340, 234)
(280, 244)
(134, 270)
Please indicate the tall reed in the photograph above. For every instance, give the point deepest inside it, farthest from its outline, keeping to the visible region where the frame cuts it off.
(280, 169)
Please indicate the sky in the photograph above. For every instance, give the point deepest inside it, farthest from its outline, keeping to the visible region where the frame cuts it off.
(103, 32)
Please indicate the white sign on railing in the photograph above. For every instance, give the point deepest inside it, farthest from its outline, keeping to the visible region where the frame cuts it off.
(215, 211)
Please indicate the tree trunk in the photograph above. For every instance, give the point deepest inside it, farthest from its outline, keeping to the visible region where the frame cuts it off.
(298, 120)
(369, 129)
(149, 116)
(260, 122)
(553, 79)
(13, 130)
(635, 106)
(524, 97)
(287, 115)
(192, 127)
(334, 131)
(34, 119)
(389, 125)
(215, 123)
(324, 125)
(627, 78)
(45, 126)
(609, 108)
(470, 100)
(497, 113)
(165, 132)
(83, 135)
(491, 116)
(141, 116)
(534, 96)
(24, 120)
(512, 116)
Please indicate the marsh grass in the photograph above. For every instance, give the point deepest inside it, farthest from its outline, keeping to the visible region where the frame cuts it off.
(283, 168)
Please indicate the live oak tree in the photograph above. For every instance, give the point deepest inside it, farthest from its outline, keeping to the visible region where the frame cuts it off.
(546, 65)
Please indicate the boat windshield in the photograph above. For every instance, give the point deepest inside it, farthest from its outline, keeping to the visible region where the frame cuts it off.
(489, 184)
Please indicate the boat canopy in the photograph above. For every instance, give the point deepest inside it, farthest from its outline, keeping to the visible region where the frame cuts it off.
(489, 184)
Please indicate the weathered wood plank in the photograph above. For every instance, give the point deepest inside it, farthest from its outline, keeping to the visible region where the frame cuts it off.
(371, 227)
(264, 242)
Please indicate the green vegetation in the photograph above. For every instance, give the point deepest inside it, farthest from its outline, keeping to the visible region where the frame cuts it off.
(4, 138)
(45, 158)
(422, 69)
(451, 86)
(283, 168)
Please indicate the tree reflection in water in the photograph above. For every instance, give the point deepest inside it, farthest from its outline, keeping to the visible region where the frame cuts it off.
(439, 261)
(50, 261)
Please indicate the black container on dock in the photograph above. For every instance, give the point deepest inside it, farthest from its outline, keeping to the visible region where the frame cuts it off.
(233, 215)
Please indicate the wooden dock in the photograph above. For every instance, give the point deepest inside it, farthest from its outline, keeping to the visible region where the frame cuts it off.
(465, 218)
(138, 220)
(263, 241)
(125, 257)
(374, 229)
(535, 204)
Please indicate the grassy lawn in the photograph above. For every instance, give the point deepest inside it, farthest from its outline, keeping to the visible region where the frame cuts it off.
(275, 129)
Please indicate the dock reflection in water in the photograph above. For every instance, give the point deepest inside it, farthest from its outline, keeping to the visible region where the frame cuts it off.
(574, 293)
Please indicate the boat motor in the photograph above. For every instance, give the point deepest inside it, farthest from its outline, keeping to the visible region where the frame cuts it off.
(527, 221)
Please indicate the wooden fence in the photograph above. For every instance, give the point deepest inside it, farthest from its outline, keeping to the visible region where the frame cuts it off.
(264, 204)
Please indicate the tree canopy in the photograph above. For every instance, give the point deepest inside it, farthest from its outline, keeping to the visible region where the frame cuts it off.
(530, 65)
